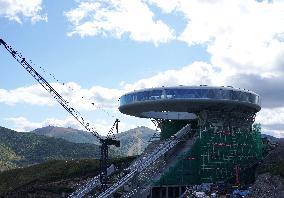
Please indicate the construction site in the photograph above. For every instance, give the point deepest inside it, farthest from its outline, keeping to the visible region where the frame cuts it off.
(205, 142)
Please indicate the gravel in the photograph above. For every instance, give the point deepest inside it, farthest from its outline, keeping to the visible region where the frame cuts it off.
(268, 186)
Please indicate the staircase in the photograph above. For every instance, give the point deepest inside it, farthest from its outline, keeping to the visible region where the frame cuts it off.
(169, 160)
(86, 188)
(145, 163)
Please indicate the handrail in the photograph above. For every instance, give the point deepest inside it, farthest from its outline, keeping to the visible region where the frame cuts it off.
(144, 163)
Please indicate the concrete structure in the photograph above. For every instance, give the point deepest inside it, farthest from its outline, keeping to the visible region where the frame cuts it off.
(222, 124)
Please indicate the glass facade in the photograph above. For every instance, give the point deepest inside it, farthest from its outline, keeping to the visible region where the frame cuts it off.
(216, 94)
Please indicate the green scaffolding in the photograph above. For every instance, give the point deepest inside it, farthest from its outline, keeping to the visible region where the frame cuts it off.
(214, 156)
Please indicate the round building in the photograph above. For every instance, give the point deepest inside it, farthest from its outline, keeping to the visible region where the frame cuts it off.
(222, 120)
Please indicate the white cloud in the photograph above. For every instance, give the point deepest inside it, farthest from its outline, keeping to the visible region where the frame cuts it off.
(272, 121)
(274, 133)
(79, 97)
(22, 124)
(19, 10)
(101, 97)
(243, 36)
(33, 94)
(117, 18)
(195, 74)
(271, 116)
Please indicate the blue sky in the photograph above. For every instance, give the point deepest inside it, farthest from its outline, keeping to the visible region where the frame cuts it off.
(103, 49)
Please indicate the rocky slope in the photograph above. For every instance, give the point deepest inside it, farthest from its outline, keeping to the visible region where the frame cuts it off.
(270, 174)
(268, 185)
(134, 141)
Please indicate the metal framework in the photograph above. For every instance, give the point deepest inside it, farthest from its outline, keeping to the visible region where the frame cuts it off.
(226, 140)
(105, 142)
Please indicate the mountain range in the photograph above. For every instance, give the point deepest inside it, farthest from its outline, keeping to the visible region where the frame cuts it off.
(21, 149)
(270, 137)
(69, 134)
(18, 149)
(133, 141)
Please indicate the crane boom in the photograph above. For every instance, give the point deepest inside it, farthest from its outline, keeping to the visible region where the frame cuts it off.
(105, 142)
(64, 103)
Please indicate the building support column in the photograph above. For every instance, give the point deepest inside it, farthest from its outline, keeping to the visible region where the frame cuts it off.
(167, 192)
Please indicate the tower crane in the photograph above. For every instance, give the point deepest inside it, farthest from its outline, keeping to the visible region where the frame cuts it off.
(104, 141)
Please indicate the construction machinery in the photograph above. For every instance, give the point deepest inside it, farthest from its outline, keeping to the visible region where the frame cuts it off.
(105, 141)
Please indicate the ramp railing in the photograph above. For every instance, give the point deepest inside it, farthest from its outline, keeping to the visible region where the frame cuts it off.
(147, 161)
(86, 188)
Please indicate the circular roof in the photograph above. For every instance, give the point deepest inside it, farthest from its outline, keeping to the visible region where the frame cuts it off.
(183, 102)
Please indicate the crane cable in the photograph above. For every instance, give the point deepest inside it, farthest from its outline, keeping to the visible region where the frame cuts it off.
(64, 103)
(99, 107)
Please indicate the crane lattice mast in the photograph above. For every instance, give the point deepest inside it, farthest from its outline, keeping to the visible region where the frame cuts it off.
(105, 142)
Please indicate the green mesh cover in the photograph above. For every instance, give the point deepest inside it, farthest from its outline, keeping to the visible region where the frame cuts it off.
(170, 127)
(214, 157)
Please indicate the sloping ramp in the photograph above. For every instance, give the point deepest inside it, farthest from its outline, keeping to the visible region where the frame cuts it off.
(140, 168)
